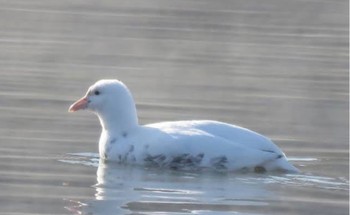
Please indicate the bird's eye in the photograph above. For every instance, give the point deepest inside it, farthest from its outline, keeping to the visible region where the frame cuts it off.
(97, 92)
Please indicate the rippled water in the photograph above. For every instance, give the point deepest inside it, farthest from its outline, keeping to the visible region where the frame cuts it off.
(121, 189)
(278, 67)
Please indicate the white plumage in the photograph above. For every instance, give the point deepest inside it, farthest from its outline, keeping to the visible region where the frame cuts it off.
(189, 145)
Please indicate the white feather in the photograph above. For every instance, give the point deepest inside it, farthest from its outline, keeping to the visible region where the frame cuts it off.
(199, 144)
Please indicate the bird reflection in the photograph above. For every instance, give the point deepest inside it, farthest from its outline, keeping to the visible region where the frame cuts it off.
(122, 189)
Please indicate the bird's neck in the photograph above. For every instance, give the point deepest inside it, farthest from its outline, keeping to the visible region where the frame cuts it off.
(119, 121)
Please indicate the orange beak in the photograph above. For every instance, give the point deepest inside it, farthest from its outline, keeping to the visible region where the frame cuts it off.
(78, 105)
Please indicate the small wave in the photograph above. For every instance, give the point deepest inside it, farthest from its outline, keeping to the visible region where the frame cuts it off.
(323, 182)
(83, 158)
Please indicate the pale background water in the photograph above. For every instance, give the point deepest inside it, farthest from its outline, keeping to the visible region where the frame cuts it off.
(279, 67)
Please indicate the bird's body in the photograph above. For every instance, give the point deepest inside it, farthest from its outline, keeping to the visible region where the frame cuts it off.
(197, 144)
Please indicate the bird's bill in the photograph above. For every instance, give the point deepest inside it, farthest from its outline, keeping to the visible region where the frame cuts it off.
(78, 105)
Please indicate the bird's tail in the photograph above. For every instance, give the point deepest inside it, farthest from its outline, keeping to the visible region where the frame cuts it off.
(281, 165)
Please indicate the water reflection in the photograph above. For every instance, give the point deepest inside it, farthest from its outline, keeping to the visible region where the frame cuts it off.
(123, 189)
(139, 189)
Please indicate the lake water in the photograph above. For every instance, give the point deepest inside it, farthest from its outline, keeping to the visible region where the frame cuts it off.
(277, 67)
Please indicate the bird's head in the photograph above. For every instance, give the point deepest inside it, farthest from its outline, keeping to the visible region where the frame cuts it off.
(110, 100)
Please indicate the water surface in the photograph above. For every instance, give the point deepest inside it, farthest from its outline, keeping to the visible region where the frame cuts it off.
(277, 67)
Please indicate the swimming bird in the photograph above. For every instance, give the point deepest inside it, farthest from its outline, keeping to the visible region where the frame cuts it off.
(179, 145)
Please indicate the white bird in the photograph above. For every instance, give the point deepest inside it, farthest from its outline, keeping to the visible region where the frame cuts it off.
(188, 145)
